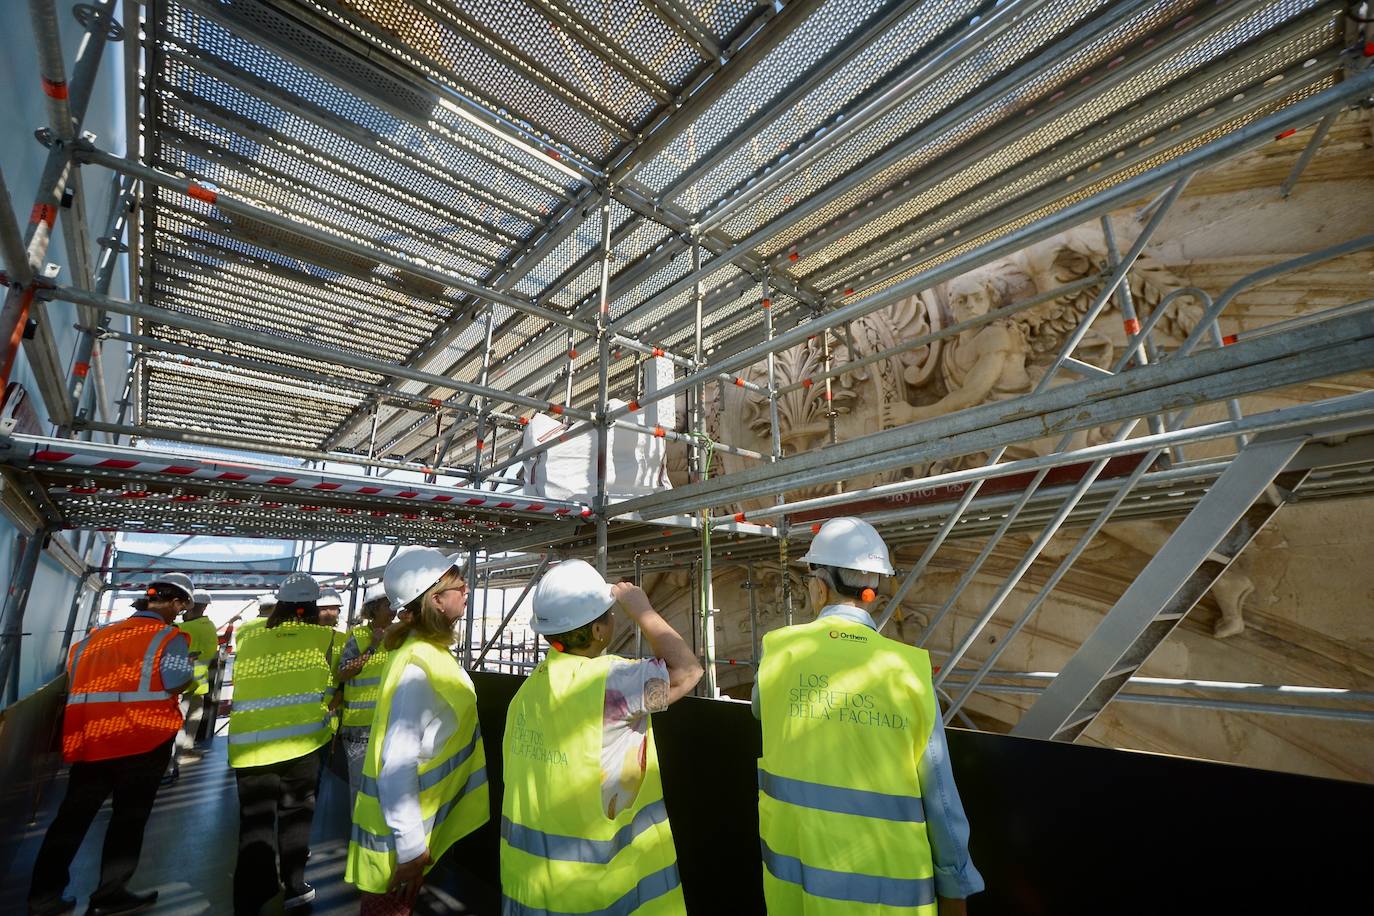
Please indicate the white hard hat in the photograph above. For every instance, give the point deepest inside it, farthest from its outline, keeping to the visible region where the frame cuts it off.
(179, 581)
(267, 602)
(412, 571)
(374, 592)
(849, 543)
(570, 595)
(330, 597)
(298, 588)
(201, 596)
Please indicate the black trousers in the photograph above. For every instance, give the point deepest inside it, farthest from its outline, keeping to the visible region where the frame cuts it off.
(276, 807)
(133, 782)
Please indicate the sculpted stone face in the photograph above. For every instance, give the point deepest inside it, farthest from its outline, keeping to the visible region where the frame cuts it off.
(970, 296)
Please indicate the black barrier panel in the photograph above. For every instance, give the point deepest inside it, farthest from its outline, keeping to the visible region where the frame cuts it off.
(30, 754)
(1057, 828)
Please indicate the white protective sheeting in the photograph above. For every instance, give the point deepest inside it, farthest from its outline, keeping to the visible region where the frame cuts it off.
(637, 460)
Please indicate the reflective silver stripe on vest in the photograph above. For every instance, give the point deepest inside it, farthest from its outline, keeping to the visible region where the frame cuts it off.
(363, 682)
(76, 656)
(430, 779)
(290, 699)
(849, 886)
(285, 731)
(387, 842)
(366, 704)
(842, 801)
(130, 696)
(144, 693)
(576, 849)
(648, 889)
(159, 640)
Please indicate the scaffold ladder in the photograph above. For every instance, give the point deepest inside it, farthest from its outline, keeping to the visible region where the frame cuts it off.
(1244, 498)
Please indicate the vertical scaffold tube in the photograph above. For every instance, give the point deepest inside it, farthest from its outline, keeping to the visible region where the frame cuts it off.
(784, 580)
(603, 369)
(703, 464)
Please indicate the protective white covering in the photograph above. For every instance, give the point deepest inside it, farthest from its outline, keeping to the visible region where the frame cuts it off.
(637, 460)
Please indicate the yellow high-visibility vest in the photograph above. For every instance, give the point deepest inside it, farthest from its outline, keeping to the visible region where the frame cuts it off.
(282, 685)
(360, 692)
(454, 796)
(559, 851)
(846, 714)
(205, 641)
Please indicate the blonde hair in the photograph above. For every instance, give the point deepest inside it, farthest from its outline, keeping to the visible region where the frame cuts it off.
(426, 621)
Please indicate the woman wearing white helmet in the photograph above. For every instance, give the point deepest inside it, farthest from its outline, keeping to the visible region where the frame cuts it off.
(424, 782)
(583, 826)
(857, 802)
(361, 667)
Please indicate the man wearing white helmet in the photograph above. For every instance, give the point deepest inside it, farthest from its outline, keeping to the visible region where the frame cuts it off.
(278, 722)
(424, 783)
(583, 825)
(121, 718)
(857, 802)
(360, 674)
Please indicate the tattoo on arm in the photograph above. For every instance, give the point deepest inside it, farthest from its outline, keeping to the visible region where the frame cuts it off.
(656, 695)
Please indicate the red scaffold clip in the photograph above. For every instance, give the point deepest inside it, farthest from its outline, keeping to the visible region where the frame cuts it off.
(1132, 326)
(201, 193)
(659, 432)
(555, 409)
(739, 516)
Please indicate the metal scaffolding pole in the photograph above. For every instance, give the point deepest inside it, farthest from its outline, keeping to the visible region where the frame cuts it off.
(304, 349)
(701, 454)
(775, 434)
(120, 207)
(306, 229)
(510, 612)
(12, 615)
(603, 369)
(67, 108)
(1240, 140)
(470, 576)
(1119, 275)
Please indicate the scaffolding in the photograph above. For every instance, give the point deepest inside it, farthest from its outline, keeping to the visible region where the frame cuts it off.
(382, 235)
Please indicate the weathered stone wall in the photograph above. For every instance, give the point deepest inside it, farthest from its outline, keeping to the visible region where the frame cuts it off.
(1299, 605)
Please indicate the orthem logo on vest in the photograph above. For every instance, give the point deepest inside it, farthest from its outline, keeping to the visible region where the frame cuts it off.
(848, 637)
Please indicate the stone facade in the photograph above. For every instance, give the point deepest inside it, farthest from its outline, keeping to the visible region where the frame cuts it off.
(1294, 610)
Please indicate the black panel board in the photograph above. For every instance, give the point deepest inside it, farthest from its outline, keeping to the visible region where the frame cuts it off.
(1056, 828)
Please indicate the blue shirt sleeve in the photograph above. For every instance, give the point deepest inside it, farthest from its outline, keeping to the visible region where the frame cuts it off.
(946, 824)
(176, 663)
(350, 651)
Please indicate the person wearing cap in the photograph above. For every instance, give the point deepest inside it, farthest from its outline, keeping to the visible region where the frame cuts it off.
(857, 803)
(200, 630)
(360, 674)
(278, 722)
(120, 721)
(424, 782)
(583, 824)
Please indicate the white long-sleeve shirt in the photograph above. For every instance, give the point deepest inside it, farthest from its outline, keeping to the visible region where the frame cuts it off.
(419, 724)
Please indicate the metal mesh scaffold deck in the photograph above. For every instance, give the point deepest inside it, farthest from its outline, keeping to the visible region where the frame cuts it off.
(841, 146)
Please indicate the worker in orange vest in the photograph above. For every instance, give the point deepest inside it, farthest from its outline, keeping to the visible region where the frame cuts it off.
(121, 717)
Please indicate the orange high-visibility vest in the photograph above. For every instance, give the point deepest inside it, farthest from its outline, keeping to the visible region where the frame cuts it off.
(116, 704)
